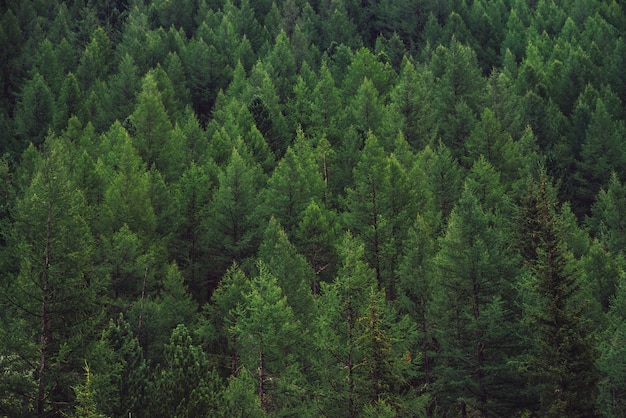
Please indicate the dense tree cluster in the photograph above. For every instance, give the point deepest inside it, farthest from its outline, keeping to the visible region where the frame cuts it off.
(306, 208)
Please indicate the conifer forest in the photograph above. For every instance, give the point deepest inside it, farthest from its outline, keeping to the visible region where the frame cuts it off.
(312, 208)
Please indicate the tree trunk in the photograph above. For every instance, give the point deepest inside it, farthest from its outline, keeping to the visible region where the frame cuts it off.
(43, 338)
(261, 380)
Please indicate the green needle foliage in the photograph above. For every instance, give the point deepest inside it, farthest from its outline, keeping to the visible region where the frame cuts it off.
(312, 208)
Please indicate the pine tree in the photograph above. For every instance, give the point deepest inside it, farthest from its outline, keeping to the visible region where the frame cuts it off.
(151, 125)
(56, 289)
(607, 221)
(35, 111)
(562, 359)
(367, 354)
(86, 405)
(267, 339)
(127, 195)
(411, 102)
(474, 312)
(366, 207)
(120, 380)
(295, 183)
(70, 102)
(194, 190)
(315, 237)
(233, 220)
(185, 385)
(342, 303)
(293, 274)
(612, 385)
(601, 154)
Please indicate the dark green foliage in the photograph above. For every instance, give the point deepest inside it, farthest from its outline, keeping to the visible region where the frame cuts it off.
(232, 217)
(35, 111)
(201, 162)
(561, 362)
(120, 371)
(473, 303)
(185, 384)
(55, 293)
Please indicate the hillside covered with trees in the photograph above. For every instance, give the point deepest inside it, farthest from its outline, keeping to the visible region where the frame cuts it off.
(339, 208)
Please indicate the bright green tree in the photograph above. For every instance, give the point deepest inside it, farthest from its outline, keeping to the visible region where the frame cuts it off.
(316, 236)
(411, 103)
(607, 221)
(194, 190)
(120, 370)
(366, 353)
(327, 107)
(85, 403)
(459, 92)
(366, 111)
(366, 204)
(95, 60)
(151, 125)
(127, 195)
(268, 338)
(343, 302)
(601, 154)
(70, 102)
(443, 182)
(415, 295)
(158, 313)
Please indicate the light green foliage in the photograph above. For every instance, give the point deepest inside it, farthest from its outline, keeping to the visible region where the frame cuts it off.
(411, 103)
(121, 371)
(193, 193)
(151, 125)
(127, 195)
(293, 274)
(367, 215)
(601, 153)
(85, 394)
(443, 182)
(295, 183)
(95, 60)
(70, 102)
(367, 354)
(268, 341)
(607, 221)
(315, 237)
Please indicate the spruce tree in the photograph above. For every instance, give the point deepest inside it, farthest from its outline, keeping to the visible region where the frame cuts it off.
(562, 357)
